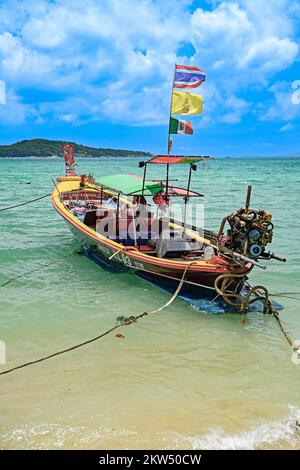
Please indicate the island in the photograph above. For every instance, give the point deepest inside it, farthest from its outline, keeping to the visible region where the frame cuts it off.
(51, 148)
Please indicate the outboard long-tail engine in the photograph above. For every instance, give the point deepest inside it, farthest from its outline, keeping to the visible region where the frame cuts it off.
(250, 231)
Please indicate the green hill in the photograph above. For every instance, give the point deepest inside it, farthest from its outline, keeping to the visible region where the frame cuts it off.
(50, 148)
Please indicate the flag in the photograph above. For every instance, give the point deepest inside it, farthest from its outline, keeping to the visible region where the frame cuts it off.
(180, 127)
(188, 77)
(170, 143)
(68, 151)
(186, 103)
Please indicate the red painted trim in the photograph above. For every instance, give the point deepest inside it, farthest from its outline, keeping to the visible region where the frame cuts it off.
(195, 85)
(188, 67)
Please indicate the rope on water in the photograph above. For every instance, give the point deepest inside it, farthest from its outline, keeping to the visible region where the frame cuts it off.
(286, 334)
(39, 268)
(256, 293)
(25, 203)
(287, 295)
(122, 321)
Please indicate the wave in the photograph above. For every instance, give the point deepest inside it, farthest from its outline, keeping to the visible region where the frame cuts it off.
(283, 434)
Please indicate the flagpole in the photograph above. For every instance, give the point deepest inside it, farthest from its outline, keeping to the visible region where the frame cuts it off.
(169, 129)
(171, 103)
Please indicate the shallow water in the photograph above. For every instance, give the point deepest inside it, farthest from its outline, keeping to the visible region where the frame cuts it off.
(179, 379)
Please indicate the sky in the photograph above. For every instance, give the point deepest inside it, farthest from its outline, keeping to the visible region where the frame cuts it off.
(99, 72)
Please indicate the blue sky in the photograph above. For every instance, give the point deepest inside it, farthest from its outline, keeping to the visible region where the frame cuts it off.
(99, 72)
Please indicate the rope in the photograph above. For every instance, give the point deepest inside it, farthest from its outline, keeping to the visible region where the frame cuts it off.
(287, 295)
(122, 250)
(261, 294)
(168, 277)
(221, 290)
(24, 203)
(286, 334)
(179, 287)
(123, 321)
(37, 269)
(45, 358)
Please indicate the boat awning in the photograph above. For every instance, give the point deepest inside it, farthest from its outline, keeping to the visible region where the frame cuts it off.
(175, 191)
(178, 159)
(129, 185)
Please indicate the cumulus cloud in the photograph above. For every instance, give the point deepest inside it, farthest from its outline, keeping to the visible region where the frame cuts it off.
(14, 112)
(286, 127)
(233, 39)
(113, 59)
(282, 107)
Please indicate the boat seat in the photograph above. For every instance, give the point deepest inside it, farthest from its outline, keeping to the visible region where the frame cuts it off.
(176, 246)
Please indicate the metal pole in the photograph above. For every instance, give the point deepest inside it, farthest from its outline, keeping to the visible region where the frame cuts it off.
(169, 128)
(117, 219)
(186, 200)
(247, 205)
(171, 102)
(144, 179)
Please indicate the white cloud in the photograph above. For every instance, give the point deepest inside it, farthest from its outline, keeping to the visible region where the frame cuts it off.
(236, 40)
(287, 127)
(281, 107)
(271, 54)
(2, 92)
(15, 112)
(114, 59)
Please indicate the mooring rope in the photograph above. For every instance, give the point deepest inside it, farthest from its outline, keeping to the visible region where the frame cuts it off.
(287, 295)
(123, 321)
(25, 203)
(286, 334)
(197, 284)
(39, 268)
(261, 293)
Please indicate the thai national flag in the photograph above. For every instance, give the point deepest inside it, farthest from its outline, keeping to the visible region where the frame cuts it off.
(188, 77)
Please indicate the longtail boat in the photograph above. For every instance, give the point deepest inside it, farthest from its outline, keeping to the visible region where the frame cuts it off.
(126, 222)
(119, 229)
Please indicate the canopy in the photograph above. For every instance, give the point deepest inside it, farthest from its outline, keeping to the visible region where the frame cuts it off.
(171, 159)
(183, 192)
(129, 184)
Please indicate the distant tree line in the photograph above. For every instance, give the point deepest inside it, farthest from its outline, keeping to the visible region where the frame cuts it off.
(50, 148)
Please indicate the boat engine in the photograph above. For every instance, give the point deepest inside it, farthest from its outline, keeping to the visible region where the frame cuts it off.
(250, 232)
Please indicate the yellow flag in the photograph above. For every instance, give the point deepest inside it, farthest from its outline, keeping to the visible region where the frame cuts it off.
(186, 103)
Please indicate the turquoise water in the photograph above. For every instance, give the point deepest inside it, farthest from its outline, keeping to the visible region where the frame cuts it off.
(179, 379)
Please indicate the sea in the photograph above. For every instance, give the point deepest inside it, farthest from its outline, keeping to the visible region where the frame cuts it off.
(183, 378)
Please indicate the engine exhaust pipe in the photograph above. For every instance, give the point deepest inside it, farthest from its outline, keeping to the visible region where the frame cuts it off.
(248, 198)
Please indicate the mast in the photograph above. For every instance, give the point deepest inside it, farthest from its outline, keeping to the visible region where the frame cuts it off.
(141, 165)
(193, 167)
(169, 128)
